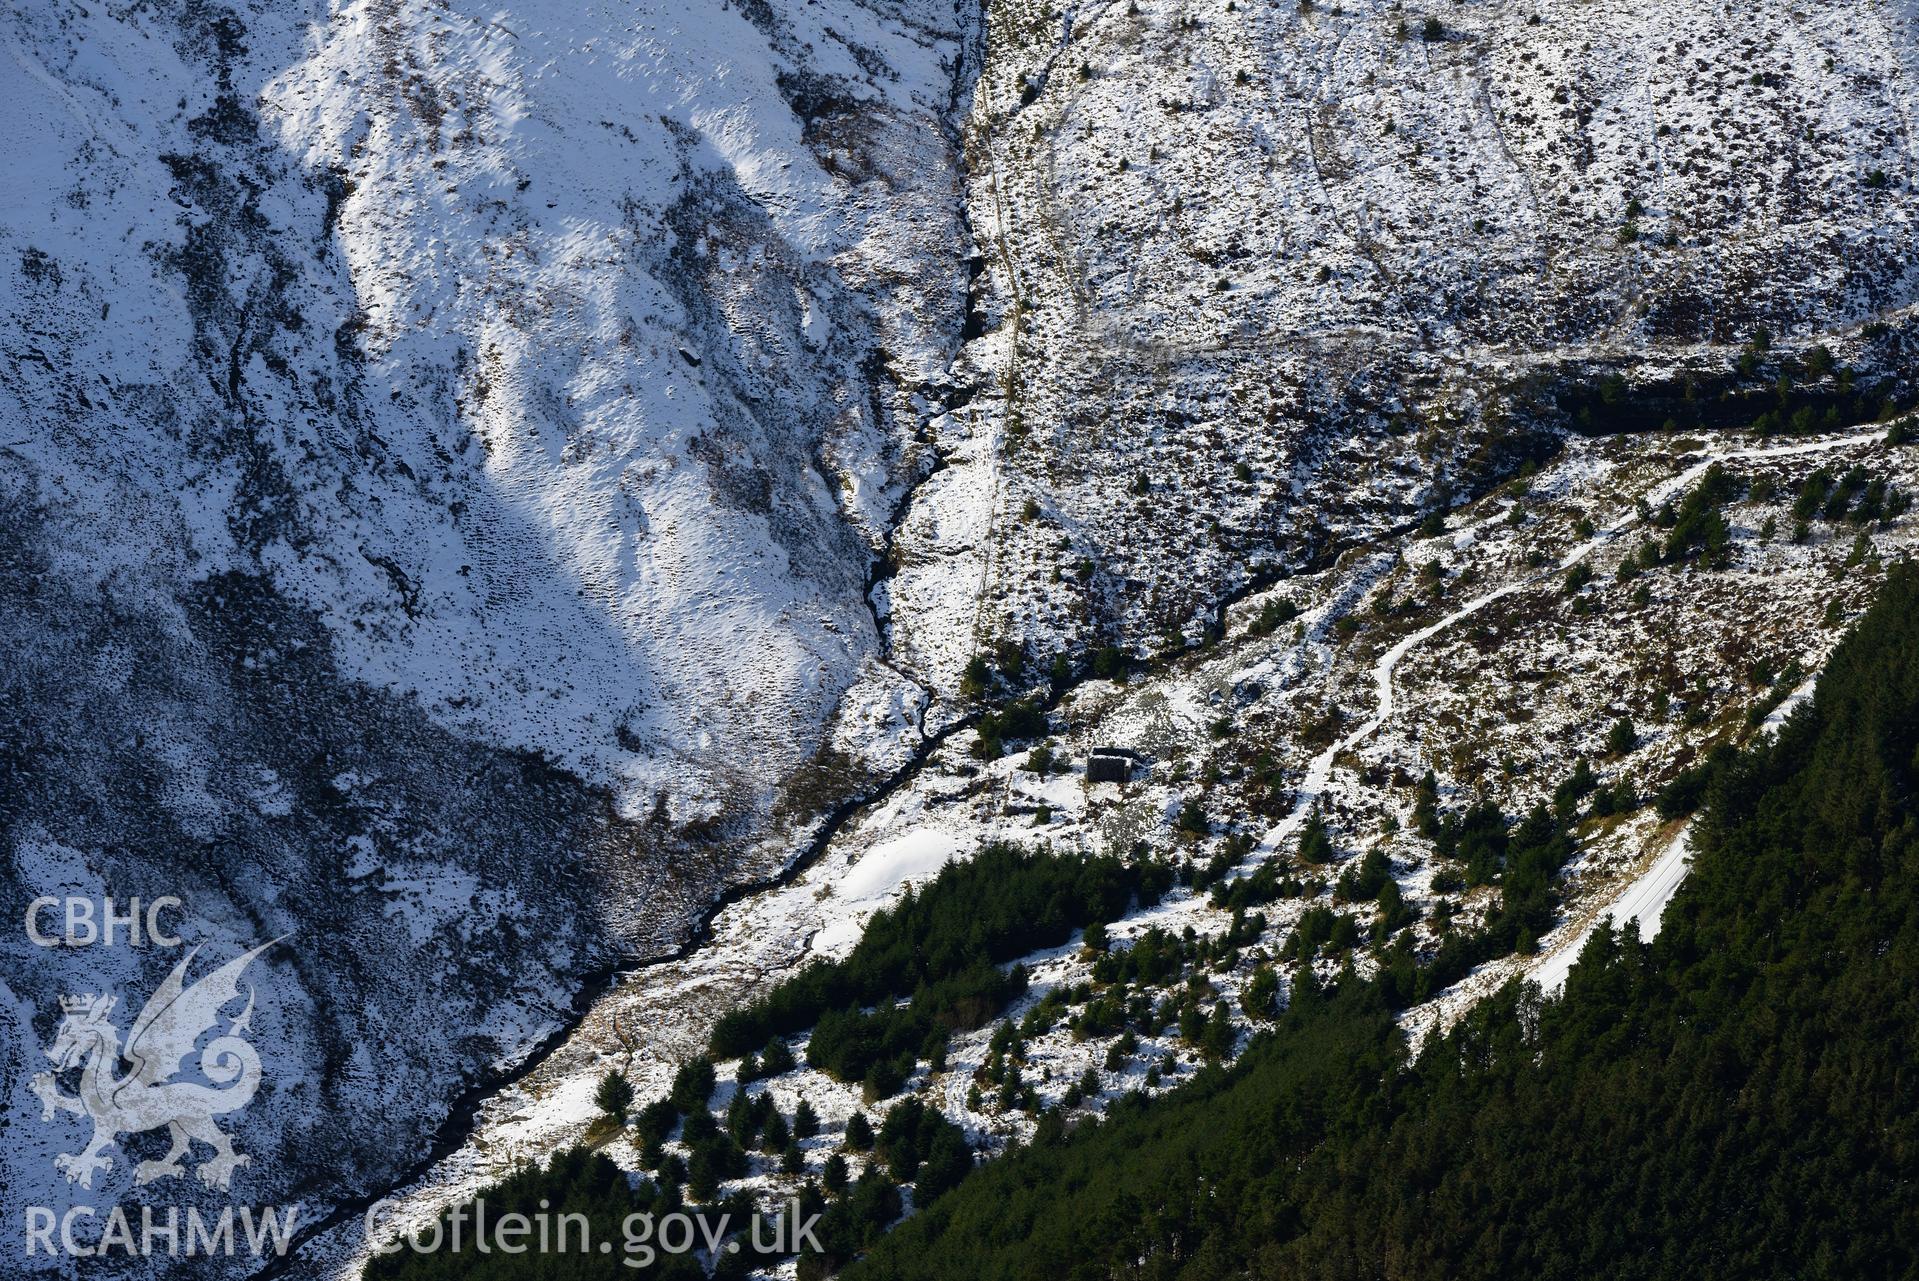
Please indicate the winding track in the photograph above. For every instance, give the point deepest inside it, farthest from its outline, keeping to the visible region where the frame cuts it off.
(1642, 899)
(1319, 771)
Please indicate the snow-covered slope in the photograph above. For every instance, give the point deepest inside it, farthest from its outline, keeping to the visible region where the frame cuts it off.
(1260, 276)
(598, 256)
(442, 450)
(554, 358)
(478, 479)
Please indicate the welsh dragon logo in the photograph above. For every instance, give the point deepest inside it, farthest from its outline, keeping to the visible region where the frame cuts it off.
(147, 1096)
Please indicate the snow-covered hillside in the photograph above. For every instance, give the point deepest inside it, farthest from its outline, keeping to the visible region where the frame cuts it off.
(479, 481)
(554, 359)
(442, 452)
(1265, 275)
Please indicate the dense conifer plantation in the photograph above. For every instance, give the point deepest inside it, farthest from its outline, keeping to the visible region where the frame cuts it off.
(943, 947)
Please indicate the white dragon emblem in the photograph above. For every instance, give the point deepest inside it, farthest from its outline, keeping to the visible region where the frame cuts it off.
(157, 1048)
